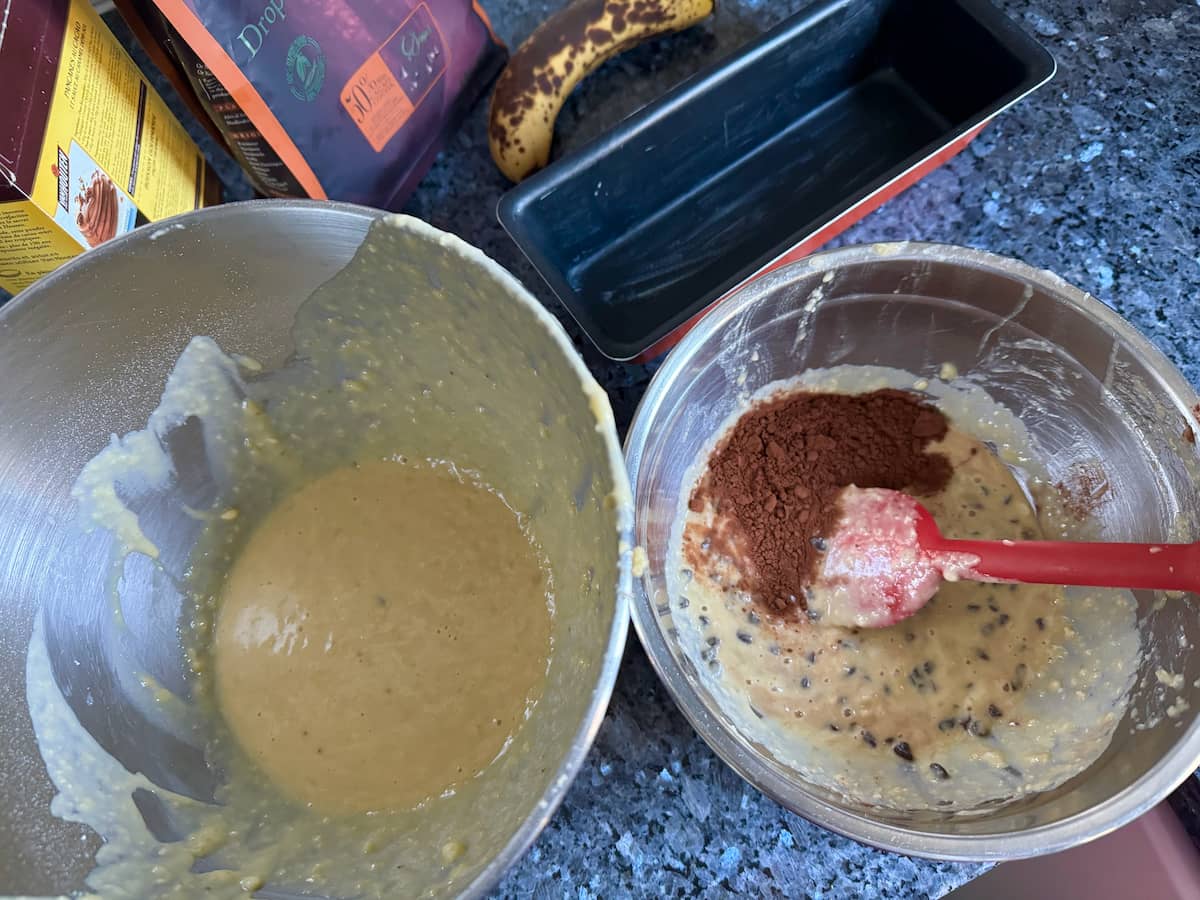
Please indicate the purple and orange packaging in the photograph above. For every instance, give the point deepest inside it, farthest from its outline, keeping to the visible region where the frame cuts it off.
(339, 99)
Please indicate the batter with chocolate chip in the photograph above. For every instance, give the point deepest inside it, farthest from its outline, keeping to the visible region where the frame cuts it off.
(989, 693)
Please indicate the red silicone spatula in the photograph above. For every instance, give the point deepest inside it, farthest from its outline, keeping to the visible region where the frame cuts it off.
(886, 558)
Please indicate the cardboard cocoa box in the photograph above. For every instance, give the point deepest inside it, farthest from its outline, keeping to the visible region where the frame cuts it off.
(88, 149)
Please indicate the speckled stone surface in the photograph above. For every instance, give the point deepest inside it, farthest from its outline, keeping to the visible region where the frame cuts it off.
(1093, 177)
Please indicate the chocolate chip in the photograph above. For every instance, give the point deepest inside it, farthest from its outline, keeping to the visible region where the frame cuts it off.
(850, 670)
(979, 729)
(1018, 679)
(819, 544)
(805, 683)
(1041, 623)
(1013, 771)
(744, 637)
(1003, 619)
(939, 771)
(869, 739)
(752, 618)
(902, 750)
(947, 724)
(973, 607)
(928, 667)
(994, 711)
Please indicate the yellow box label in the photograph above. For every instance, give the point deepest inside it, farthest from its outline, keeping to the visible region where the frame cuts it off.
(31, 245)
(119, 147)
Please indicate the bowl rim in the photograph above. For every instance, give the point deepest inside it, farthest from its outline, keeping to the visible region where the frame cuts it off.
(1169, 772)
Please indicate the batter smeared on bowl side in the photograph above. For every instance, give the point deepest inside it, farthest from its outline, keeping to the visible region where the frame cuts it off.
(363, 550)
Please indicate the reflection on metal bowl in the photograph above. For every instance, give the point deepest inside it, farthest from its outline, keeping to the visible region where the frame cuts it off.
(85, 355)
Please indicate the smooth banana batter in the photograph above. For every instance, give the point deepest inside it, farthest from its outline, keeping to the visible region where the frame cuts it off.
(989, 693)
(383, 633)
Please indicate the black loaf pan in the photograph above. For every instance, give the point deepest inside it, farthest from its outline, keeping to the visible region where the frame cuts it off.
(826, 113)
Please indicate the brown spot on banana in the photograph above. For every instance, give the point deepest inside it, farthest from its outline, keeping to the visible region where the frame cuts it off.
(563, 51)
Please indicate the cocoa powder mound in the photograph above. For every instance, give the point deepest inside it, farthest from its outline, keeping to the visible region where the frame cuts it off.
(774, 480)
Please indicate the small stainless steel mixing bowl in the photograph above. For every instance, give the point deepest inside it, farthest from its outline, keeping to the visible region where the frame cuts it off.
(85, 353)
(1086, 385)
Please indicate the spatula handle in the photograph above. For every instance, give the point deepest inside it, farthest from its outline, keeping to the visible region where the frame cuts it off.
(1167, 567)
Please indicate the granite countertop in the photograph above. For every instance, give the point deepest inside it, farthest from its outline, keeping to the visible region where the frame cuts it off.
(1093, 177)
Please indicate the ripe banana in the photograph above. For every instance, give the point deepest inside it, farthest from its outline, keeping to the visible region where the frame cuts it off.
(563, 51)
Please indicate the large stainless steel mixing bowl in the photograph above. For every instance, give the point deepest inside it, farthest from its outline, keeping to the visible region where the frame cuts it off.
(85, 353)
(1088, 388)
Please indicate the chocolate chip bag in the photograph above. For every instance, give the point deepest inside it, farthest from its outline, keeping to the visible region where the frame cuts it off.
(339, 99)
